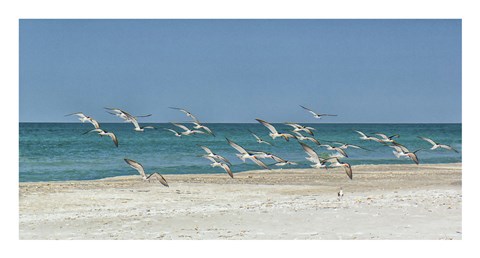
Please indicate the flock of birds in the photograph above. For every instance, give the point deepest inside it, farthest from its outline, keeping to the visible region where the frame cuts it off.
(333, 160)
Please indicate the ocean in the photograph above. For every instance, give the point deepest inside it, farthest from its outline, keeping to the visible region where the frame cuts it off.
(60, 151)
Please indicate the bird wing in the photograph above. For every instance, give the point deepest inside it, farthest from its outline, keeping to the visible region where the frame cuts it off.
(269, 126)
(136, 166)
(114, 138)
(448, 147)
(80, 114)
(237, 147)
(159, 177)
(309, 151)
(171, 130)
(206, 149)
(428, 140)
(341, 151)
(348, 170)
(260, 163)
(362, 134)
(383, 136)
(223, 159)
(181, 126)
(309, 110)
(227, 169)
(210, 158)
(278, 159)
(94, 123)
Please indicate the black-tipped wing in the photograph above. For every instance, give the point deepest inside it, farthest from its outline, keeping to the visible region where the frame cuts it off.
(136, 166)
(159, 178)
(268, 125)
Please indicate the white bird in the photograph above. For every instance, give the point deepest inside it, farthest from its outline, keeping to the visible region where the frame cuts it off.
(186, 113)
(82, 117)
(436, 145)
(282, 162)
(259, 140)
(129, 118)
(213, 155)
(316, 115)
(244, 154)
(102, 132)
(273, 132)
(137, 126)
(402, 151)
(301, 137)
(344, 146)
(200, 126)
(386, 138)
(367, 137)
(188, 131)
(337, 163)
(334, 148)
(313, 157)
(340, 194)
(216, 163)
(173, 131)
(299, 128)
(140, 170)
(123, 114)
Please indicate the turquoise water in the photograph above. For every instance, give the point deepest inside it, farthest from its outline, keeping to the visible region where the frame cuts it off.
(59, 151)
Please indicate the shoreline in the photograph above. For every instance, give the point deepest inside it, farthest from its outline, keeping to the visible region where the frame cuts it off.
(381, 202)
(426, 165)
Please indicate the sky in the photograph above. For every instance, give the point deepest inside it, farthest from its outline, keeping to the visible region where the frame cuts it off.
(229, 71)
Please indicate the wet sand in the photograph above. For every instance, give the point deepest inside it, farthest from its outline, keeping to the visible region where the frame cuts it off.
(381, 202)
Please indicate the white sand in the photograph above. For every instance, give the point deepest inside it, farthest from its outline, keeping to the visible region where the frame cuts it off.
(381, 202)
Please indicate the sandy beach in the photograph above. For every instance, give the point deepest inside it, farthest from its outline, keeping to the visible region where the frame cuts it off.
(381, 202)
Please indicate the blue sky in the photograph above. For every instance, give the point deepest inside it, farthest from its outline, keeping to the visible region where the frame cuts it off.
(365, 71)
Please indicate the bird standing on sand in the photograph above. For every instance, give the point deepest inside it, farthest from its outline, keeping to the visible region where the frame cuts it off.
(273, 132)
(315, 114)
(436, 145)
(102, 132)
(82, 117)
(340, 194)
(139, 168)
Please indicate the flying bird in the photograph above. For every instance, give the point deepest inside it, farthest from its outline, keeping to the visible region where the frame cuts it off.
(301, 137)
(188, 131)
(82, 117)
(402, 151)
(344, 146)
(259, 140)
(273, 132)
(186, 113)
(436, 145)
(337, 163)
(102, 132)
(213, 155)
(198, 125)
(244, 154)
(139, 168)
(334, 148)
(313, 157)
(386, 138)
(299, 128)
(282, 162)
(217, 163)
(368, 138)
(173, 131)
(316, 115)
(129, 118)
